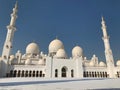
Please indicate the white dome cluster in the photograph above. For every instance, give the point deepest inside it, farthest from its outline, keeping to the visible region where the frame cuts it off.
(55, 45)
(77, 51)
(32, 48)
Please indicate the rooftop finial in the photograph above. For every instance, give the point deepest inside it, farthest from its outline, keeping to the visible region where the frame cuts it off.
(56, 37)
(14, 15)
(15, 8)
(77, 44)
(16, 4)
(33, 41)
(103, 21)
(102, 18)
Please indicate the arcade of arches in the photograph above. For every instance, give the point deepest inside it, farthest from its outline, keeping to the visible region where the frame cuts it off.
(23, 73)
(30, 73)
(95, 74)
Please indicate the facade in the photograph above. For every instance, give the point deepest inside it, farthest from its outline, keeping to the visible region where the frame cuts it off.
(55, 64)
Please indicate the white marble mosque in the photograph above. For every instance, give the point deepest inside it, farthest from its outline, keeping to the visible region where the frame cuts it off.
(55, 63)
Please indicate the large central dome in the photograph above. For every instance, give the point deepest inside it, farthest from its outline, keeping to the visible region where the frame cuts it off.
(55, 45)
(32, 48)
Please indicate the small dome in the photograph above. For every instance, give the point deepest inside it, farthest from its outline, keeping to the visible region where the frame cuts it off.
(77, 51)
(102, 64)
(61, 53)
(32, 48)
(28, 62)
(55, 45)
(12, 57)
(118, 63)
(91, 63)
(13, 60)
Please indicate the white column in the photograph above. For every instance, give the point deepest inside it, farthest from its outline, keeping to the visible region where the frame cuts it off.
(79, 67)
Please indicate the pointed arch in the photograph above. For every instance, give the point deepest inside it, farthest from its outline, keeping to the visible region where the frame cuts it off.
(22, 73)
(30, 73)
(18, 73)
(37, 73)
(33, 73)
(26, 73)
(56, 72)
(15, 73)
(95, 74)
(72, 73)
(40, 73)
(11, 73)
(64, 71)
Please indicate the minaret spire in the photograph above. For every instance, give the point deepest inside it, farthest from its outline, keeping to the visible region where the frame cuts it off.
(14, 15)
(10, 34)
(105, 35)
(104, 27)
(8, 42)
(108, 51)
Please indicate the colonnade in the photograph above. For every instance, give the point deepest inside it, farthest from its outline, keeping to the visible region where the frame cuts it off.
(25, 73)
(95, 74)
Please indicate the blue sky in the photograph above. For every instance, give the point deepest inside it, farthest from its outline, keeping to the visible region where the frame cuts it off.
(74, 22)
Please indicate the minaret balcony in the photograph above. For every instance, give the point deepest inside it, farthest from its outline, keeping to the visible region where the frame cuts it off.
(9, 27)
(106, 37)
(13, 15)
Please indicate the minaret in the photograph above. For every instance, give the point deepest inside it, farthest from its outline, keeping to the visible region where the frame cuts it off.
(10, 34)
(108, 51)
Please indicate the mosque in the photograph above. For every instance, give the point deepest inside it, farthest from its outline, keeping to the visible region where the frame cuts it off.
(56, 63)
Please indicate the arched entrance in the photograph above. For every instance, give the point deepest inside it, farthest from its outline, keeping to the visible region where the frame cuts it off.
(64, 72)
